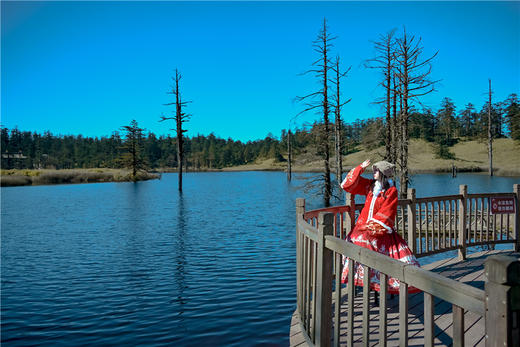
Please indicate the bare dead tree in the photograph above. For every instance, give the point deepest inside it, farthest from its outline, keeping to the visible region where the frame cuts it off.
(338, 104)
(412, 74)
(320, 100)
(395, 128)
(289, 155)
(490, 134)
(179, 117)
(385, 62)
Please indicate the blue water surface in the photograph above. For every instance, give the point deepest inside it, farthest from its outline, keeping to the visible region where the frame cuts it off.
(140, 263)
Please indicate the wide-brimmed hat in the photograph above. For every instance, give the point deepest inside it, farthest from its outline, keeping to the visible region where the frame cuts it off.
(385, 168)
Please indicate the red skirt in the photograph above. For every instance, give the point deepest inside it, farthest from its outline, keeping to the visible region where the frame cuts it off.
(390, 244)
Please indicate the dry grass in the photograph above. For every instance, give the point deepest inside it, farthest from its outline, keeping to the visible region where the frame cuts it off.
(41, 177)
(469, 156)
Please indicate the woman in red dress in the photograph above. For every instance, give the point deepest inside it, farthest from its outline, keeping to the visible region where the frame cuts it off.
(374, 228)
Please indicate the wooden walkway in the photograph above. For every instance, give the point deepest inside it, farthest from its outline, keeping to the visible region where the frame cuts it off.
(470, 271)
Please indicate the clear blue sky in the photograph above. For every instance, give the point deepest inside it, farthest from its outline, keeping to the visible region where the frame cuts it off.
(90, 67)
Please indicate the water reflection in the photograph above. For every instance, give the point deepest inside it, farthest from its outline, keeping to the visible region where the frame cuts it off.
(180, 252)
(132, 225)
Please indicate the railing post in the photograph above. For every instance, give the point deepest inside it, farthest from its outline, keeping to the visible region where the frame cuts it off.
(463, 190)
(502, 290)
(351, 215)
(324, 281)
(516, 190)
(412, 234)
(300, 210)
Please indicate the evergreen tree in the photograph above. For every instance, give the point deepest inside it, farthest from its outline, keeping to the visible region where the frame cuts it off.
(512, 116)
(133, 149)
(468, 121)
(446, 121)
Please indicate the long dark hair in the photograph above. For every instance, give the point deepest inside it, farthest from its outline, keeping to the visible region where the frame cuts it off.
(385, 181)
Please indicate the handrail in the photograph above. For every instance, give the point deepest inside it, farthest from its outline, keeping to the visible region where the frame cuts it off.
(439, 223)
(307, 229)
(468, 297)
(333, 209)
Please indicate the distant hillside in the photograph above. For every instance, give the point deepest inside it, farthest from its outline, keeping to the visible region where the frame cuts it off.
(469, 156)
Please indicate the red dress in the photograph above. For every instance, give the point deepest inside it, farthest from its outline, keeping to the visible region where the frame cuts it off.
(375, 229)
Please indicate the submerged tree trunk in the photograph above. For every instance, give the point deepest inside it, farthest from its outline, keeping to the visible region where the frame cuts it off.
(337, 122)
(179, 118)
(289, 156)
(490, 135)
(321, 101)
(328, 185)
(403, 187)
(395, 131)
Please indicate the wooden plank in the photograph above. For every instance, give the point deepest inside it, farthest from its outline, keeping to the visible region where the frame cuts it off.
(428, 319)
(427, 232)
(450, 224)
(468, 297)
(412, 228)
(440, 198)
(473, 221)
(444, 320)
(458, 219)
(314, 278)
(350, 293)
(305, 311)
(403, 314)
(420, 228)
(323, 284)
(383, 280)
(490, 225)
(470, 320)
(494, 233)
(310, 288)
(507, 225)
(481, 220)
(366, 303)
(337, 298)
(491, 195)
(458, 326)
(443, 224)
(416, 334)
(478, 228)
(501, 229)
(383, 263)
(438, 215)
(307, 229)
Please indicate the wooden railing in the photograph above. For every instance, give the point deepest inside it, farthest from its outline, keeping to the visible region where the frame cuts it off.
(431, 225)
(438, 224)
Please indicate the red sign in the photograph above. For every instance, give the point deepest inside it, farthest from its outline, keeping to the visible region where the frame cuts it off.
(502, 205)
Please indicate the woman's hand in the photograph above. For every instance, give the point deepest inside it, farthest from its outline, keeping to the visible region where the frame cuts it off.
(365, 164)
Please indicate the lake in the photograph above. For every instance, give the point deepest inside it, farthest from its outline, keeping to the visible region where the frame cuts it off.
(139, 263)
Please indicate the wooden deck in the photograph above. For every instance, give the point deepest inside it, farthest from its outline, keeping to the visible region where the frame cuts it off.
(470, 271)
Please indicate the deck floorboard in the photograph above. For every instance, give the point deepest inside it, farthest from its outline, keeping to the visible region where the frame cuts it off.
(469, 271)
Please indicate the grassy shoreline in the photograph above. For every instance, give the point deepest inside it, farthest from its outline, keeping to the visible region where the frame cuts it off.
(469, 156)
(14, 177)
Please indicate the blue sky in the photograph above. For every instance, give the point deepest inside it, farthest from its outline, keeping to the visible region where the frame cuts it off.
(90, 67)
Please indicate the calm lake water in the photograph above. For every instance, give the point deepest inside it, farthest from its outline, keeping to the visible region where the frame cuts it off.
(138, 263)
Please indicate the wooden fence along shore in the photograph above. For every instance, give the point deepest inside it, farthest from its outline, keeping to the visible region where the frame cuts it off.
(430, 225)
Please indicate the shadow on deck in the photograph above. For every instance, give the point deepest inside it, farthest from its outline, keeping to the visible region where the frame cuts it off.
(469, 271)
